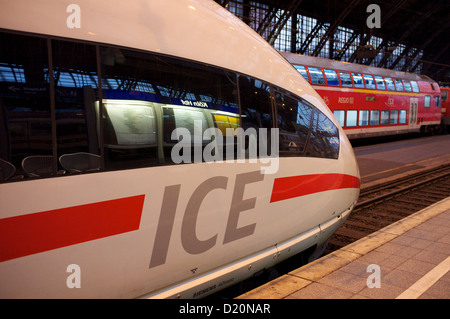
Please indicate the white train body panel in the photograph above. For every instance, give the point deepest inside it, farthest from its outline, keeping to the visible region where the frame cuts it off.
(209, 237)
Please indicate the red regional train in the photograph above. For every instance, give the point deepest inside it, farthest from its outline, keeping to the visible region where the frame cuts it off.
(370, 101)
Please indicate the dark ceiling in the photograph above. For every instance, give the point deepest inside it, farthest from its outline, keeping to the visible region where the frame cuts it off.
(417, 24)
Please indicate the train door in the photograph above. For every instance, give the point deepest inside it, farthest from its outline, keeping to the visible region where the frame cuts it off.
(413, 107)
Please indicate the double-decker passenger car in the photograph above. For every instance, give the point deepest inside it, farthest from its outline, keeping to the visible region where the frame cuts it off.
(369, 101)
(99, 102)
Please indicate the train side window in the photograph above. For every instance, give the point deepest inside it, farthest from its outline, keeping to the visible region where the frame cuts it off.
(368, 79)
(302, 70)
(332, 78)
(363, 118)
(398, 85)
(374, 117)
(407, 85)
(340, 116)
(402, 117)
(427, 101)
(389, 84)
(358, 80)
(25, 106)
(394, 117)
(380, 82)
(147, 97)
(384, 118)
(294, 121)
(346, 80)
(415, 86)
(256, 106)
(352, 117)
(76, 93)
(316, 76)
(324, 138)
(438, 101)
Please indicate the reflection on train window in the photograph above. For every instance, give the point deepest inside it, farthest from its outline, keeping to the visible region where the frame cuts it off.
(302, 70)
(177, 92)
(427, 101)
(358, 80)
(415, 87)
(25, 110)
(340, 116)
(294, 120)
(363, 118)
(346, 80)
(380, 82)
(394, 117)
(352, 117)
(407, 85)
(332, 78)
(438, 101)
(374, 117)
(370, 83)
(389, 84)
(398, 85)
(402, 117)
(316, 76)
(75, 74)
(256, 105)
(145, 97)
(384, 118)
(324, 137)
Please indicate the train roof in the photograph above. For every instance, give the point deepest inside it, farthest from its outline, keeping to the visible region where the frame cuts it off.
(199, 30)
(351, 67)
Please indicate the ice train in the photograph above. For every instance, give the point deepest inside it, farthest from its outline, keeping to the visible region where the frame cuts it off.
(122, 171)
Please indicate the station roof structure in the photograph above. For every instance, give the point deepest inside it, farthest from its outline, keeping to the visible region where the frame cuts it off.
(413, 35)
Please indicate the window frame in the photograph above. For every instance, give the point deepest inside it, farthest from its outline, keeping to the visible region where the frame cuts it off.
(336, 78)
(315, 69)
(360, 85)
(353, 118)
(347, 85)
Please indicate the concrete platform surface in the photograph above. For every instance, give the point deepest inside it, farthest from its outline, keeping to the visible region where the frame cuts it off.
(408, 259)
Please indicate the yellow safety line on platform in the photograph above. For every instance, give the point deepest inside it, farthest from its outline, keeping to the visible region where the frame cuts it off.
(399, 167)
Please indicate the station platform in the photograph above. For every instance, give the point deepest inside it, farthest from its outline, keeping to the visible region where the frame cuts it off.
(409, 259)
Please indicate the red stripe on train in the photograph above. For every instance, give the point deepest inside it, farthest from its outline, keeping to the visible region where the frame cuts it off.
(38, 232)
(295, 186)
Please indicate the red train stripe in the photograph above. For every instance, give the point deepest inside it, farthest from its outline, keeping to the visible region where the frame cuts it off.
(38, 232)
(295, 186)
